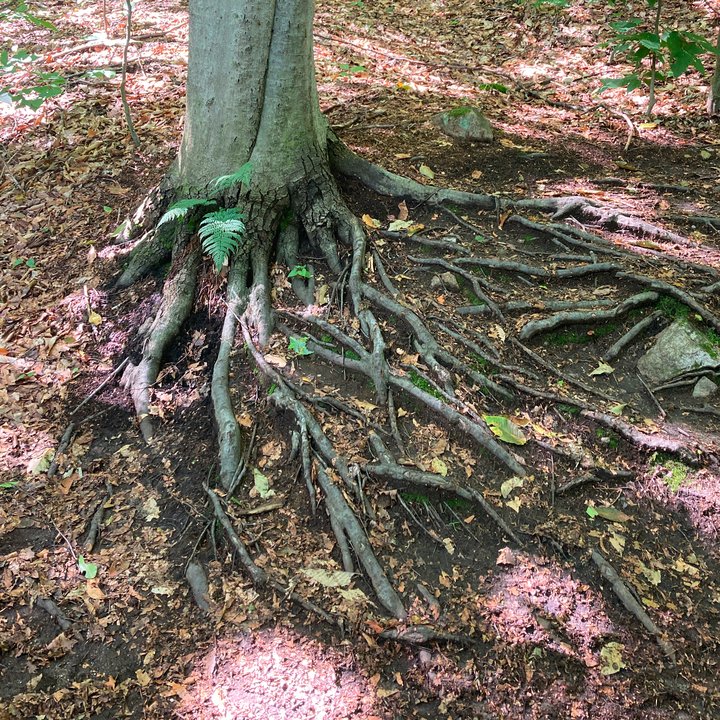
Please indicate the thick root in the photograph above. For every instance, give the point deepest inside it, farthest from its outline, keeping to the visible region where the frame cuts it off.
(178, 297)
(342, 516)
(152, 250)
(229, 436)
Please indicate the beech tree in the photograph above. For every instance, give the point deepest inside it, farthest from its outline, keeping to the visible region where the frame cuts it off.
(256, 180)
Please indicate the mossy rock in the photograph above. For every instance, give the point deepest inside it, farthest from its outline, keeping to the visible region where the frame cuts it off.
(465, 123)
(678, 349)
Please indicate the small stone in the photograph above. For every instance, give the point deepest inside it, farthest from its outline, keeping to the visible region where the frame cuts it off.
(704, 389)
(450, 281)
(465, 123)
(446, 281)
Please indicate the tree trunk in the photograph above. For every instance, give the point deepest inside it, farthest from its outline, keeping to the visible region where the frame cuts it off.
(713, 103)
(251, 93)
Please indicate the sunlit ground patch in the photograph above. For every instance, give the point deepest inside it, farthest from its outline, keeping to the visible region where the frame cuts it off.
(277, 673)
(537, 603)
(696, 492)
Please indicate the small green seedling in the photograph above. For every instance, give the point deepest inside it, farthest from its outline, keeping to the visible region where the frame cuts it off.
(298, 345)
(300, 271)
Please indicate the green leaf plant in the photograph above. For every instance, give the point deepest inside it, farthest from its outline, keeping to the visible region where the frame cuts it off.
(37, 85)
(657, 54)
(220, 229)
(221, 232)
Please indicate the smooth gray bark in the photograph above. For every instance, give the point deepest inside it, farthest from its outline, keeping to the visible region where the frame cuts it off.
(713, 103)
(251, 92)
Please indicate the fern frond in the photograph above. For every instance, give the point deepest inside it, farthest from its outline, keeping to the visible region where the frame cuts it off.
(179, 210)
(221, 232)
(241, 177)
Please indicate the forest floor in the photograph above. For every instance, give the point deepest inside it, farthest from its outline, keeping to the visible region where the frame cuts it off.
(520, 632)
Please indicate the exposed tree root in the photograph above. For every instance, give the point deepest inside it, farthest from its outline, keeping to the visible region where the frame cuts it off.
(258, 575)
(631, 335)
(384, 182)
(581, 318)
(62, 447)
(152, 250)
(96, 521)
(343, 518)
(229, 435)
(659, 441)
(424, 634)
(631, 604)
(177, 301)
(527, 305)
(148, 213)
(388, 468)
(447, 383)
(50, 607)
(198, 582)
(563, 376)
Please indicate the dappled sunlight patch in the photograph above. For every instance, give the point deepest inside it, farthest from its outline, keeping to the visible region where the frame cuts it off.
(535, 602)
(277, 673)
(696, 492)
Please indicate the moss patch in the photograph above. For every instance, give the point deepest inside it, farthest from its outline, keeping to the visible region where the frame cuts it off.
(560, 338)
(711, 344)
(608, 438)
(459, 111)
(672, 308)
(422, 384)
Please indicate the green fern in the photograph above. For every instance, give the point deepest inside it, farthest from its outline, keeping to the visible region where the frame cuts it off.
(179, 210)
(241, 177)
(221, 232)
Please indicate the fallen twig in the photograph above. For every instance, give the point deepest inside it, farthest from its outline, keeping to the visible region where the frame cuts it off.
(123, 78)
(102, 385)
(62, 447)
(96, 522)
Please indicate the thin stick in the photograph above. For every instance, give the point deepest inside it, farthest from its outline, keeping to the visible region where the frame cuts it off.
(102, 385)
(660, 408)
(123, 94)
(64, 537)
(62, 447)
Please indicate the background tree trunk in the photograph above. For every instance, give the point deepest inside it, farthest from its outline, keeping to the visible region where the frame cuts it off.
(713, 103)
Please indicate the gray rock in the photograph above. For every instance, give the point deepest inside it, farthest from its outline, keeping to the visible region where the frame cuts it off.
(704, 389)
(450, 281)
(677, 350)
(465, 123)
(447, 281)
